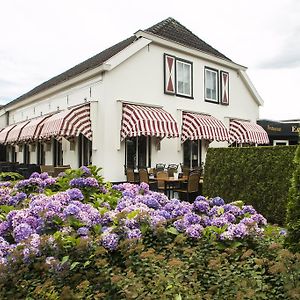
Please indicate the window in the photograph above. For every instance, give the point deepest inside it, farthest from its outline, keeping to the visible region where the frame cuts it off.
(178, 76)
(138, 152)
(57, 153)
(26, 154)
(84, 151)
(211, 85)
(183, 78)
(40, 152)
(192, 153)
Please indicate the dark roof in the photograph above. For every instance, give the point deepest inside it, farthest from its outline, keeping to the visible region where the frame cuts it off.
(169, 29)
(88, 64)
(174, 31)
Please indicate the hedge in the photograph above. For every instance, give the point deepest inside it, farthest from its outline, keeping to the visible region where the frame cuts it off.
(293, 211)
(260, 176)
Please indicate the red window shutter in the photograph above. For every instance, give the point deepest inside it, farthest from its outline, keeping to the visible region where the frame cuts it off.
(224, 87)
(169, 65)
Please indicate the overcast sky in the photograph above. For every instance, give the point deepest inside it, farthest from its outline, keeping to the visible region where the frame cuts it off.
(41, 39)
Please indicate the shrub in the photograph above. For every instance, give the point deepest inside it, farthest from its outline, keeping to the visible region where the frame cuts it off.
(293, 212)
(258, 175)
(68, 245)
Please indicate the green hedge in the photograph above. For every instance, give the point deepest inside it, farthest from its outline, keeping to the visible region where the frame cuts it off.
(260, 176)
(293, 211)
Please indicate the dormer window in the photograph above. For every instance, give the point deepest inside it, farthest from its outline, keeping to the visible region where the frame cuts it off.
(211, 85)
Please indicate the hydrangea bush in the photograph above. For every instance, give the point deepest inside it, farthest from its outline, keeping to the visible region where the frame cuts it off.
(77, 222)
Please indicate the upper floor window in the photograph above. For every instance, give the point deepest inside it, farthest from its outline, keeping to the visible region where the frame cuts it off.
(178, 76)
(211, 85)
(184, 78)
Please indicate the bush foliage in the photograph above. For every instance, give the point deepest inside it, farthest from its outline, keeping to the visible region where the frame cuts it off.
(76, 237)
(258, 175)
(293, 213)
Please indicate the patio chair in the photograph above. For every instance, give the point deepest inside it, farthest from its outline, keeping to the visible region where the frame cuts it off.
(161, 187)
(48, 169)
(130, 175)
(144, 177)
(60, 169)
(192, 185)
(172, 168)
(160, 167)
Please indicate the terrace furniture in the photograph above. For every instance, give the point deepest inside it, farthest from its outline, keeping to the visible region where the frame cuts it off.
(130, 175)
(60, 169)
(161, 186)
(48, 169)
(172, 168)
(192, 186)
(160, 167)
(144, 177)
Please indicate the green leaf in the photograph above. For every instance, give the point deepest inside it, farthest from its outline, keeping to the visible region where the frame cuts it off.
(64, 259)
(74, 264)
(7, 208)
(173, 230)
(178, 297)
(133, 214)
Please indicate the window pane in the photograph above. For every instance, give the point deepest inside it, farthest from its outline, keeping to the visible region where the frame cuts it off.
(130, 152)
(142, 150)
(186, 153)
(184, 78)
(210, 85)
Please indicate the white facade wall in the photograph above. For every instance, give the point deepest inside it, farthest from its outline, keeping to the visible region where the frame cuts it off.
(139, 79)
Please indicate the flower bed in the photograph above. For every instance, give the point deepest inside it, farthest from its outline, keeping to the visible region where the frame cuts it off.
(77, 223)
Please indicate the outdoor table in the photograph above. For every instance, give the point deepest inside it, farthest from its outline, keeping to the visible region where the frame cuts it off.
(171, 181)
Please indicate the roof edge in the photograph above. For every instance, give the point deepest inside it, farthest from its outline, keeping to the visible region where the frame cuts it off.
(190, 50)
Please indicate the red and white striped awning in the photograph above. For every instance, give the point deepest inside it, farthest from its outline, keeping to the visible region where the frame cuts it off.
(32, 130)
(198, 126)
(14, 134)
(68, 123)
(247, 132)
(4, 132)
(138, 120)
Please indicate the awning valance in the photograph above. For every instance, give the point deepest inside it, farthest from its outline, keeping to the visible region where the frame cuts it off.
(13, 135)
(4, 132)
(199, 126)
(32, 130)
(138, 120)
(68, 123)
(247, 132)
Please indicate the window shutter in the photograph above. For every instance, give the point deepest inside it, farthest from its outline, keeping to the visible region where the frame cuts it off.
(169, 65)
(224, 88)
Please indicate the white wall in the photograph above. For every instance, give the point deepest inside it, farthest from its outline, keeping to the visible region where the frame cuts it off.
(141, 79)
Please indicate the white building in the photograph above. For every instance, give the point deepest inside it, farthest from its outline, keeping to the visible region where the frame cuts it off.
(167, 71)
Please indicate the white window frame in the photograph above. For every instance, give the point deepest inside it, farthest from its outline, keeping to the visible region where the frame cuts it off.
(190, 64)
(216, 72)
(280, 142)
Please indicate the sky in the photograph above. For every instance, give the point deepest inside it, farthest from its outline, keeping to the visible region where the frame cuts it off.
(41, 38)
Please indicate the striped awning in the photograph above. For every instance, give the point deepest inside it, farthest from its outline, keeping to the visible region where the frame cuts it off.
(68, 123)
(4, 132)
(199, 126)
(247, 132)
(138, 120)
(13, 135)
(32, 130)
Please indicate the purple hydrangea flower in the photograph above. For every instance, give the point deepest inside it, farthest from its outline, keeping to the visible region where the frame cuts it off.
(75, 194)
(201, 206)
(22, 232)
(217, 201)
(83, 231)
(110, 241)
(134, 234)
